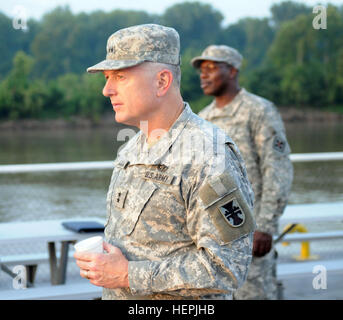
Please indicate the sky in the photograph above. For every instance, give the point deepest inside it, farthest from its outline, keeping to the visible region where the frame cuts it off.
(232, 10)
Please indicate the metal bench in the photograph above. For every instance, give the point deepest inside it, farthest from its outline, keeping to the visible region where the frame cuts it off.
(312, 212)
(302, 268)
(50, 232)
(313, 236)
(305, 268)
(72, 291)
(30, 261)
(307, 238)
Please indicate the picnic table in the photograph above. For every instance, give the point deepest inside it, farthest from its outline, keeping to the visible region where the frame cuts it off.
(50, 232)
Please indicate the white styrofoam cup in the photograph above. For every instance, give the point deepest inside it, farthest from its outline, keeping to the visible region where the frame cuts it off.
(93, 244)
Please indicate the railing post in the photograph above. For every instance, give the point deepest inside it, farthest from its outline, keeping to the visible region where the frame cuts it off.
(305, 253)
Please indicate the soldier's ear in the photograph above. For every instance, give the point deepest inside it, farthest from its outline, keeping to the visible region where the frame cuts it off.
(164, 81)
(233, 73)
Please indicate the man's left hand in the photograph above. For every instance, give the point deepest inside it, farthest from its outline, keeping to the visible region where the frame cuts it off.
(262, 243)
(108, 270)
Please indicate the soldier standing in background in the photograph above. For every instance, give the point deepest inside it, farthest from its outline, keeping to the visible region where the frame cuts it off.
(256, 127)
(179, 207)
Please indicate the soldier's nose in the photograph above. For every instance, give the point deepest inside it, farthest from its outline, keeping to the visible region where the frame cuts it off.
(109, 89)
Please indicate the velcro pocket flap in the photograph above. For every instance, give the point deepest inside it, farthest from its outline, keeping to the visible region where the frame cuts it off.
(134, 207)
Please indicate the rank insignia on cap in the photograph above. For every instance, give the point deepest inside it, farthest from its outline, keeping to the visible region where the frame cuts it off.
(233, 213)
(279, 144)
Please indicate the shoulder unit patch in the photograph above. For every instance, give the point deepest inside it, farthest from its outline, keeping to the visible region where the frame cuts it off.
(279, 144)
(233, 213)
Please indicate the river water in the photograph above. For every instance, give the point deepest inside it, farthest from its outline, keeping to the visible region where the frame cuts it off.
(38, 196)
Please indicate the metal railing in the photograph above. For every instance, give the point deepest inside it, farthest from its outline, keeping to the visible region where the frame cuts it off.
(319, 156)
(50, 167)
(100, 165)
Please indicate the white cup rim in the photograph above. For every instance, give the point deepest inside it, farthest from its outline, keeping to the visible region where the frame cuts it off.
(88, 243)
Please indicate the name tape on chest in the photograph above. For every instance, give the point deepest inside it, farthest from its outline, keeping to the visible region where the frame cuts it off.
(158, 177)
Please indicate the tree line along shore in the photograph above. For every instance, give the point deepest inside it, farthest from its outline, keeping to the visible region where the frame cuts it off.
(287, 60)
(289, 115)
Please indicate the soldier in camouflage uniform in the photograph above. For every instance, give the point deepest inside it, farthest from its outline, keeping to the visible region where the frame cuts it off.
(179, 207)
(256, 127)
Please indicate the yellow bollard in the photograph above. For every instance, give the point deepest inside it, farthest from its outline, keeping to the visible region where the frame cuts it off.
(305, 245)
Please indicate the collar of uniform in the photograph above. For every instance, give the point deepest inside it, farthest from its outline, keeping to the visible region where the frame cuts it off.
(229, 109)
(145, 155)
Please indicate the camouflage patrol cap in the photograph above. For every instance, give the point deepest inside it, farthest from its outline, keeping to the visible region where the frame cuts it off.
(134, 45)
(219, 53)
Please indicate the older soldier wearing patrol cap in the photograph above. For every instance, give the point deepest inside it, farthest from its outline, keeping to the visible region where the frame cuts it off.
(256, 127)
(179, 225)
